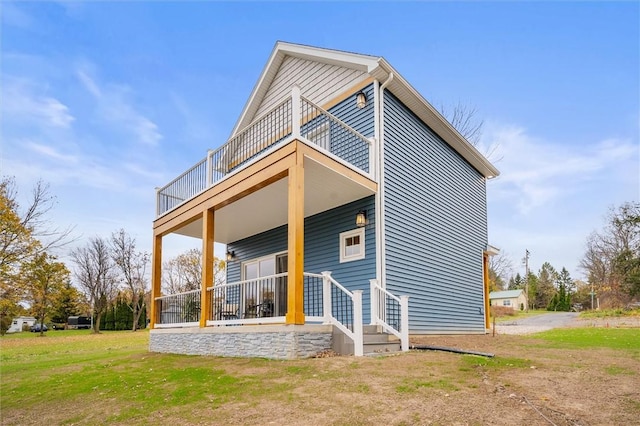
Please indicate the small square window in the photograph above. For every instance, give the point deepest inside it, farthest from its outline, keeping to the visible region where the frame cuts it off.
(506, 302)
(352, 245)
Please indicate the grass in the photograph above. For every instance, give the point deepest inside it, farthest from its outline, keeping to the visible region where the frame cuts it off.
(627, 339)
(111, 378)
(607, 313)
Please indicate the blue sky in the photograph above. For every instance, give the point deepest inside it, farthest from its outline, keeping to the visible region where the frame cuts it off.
(107, 101)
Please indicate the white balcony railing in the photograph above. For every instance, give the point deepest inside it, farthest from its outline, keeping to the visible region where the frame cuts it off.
(178, 310)
(390, 312)
(294, 116)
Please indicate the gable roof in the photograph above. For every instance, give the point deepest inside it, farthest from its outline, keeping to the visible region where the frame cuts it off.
(378, 68)
(507, 294)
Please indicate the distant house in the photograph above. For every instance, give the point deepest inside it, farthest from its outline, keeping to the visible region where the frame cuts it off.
(18, 324)
(345, 199)
(514, 299)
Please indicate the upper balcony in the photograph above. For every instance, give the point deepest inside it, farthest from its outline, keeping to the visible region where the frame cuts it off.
(295, 117)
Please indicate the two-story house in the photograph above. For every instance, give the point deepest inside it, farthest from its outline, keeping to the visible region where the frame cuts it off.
(349, 207)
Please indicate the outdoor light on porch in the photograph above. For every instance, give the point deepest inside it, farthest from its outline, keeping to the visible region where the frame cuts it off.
(231, 255)
(361, 218)
(361, 100)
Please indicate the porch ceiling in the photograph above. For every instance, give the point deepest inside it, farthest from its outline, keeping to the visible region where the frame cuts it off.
(266, 208)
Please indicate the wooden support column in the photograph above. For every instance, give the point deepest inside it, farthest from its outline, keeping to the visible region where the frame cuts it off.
(295, 296)
(207, 264)
(485, 279)
(156, 277)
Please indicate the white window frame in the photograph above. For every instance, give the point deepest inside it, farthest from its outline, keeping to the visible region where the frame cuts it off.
(506, 302)
(359, 232)
(258, 260)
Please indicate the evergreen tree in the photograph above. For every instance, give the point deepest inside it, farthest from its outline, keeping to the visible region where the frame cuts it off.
(516, 283)
(545, 288)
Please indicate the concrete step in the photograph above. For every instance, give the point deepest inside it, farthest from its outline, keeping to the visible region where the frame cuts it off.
(378, 338)
(371, 329)
(381, 348)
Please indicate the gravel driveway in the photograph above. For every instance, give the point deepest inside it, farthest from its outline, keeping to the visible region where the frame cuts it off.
(537, 323)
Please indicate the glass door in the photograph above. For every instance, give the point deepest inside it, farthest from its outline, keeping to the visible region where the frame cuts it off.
(282, 266)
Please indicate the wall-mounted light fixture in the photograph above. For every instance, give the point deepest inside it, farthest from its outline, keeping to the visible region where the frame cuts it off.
(361, 100)
(361, 219)
(231, 255)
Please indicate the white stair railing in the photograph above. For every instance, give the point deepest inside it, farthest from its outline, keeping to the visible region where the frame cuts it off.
(390, 312)
(343, 309)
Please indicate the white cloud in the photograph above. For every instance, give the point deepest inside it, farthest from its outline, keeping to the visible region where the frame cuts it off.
(534, 172)
(115, 106)
(51, 152)
(24, 104)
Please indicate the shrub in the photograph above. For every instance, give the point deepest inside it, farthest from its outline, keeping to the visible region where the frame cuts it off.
(502, 311)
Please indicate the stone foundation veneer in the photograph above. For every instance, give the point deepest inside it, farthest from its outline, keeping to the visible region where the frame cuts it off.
(263, 341)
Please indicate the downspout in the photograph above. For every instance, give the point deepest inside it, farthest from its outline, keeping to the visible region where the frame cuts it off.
(380, 204)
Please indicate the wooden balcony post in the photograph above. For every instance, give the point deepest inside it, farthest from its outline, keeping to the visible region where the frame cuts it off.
(485, 282)
(295, 296)
(156, 278)
(207, 264)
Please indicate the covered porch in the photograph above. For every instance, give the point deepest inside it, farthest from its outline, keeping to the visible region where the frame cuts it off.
(292, 164)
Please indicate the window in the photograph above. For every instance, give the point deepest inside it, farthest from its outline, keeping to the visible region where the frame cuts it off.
(352, 245)
(506, 302)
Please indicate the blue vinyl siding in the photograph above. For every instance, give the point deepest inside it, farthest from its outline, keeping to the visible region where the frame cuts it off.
(322, 247)
(435, 225)
(362, 121)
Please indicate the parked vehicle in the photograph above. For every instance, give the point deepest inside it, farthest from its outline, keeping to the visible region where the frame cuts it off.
(35, 328)
(78, 322)
(21, 324)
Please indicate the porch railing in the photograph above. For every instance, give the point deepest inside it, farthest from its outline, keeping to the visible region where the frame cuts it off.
(294, 116)
(257, 301)
(178, 310)
(390, 312)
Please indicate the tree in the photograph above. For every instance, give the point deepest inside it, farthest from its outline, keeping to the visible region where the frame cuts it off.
(612, 256)
(24, 234)
(132, 265)
(464, 119)
(184, 272)
(27, 232)
(500, 267)
(67, 302)
(545, 285)
(44, 277)
(516, 283)
(561, 301)
(96, 275)
(533, 290)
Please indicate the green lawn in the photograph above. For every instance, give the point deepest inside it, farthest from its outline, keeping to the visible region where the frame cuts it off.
(584, 338)
(74, 377)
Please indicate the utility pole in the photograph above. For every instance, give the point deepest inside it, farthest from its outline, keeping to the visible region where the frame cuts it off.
(526, 282)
